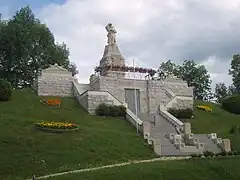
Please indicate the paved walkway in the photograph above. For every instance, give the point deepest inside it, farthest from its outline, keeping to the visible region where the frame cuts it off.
(111, 166)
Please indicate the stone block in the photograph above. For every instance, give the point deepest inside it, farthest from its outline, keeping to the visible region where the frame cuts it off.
(212, 136)
(177, 141)
(157, 142)
(187, 128)
(150, 141)
(146, 129)
(217, 140)
(171, 136)
(189, 136)
(226, 145)
(180, 146)
(200, 146)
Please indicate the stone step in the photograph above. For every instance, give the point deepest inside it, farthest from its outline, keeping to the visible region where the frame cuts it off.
(209, 145)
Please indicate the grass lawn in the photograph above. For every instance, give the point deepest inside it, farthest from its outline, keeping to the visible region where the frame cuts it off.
(219, 121)
(26, 151)
(196, 169)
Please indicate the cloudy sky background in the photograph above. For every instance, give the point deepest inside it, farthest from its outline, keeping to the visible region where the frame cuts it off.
(150, 31)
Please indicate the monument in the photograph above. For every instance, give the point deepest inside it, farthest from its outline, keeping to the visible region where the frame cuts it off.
(146, 100)
(112, 56)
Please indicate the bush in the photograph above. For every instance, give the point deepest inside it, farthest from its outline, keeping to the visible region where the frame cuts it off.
(232, 104)
(181, 113)
(111, 110)
(208, 154)
(235, 129)
(5, 90)
(223, 153)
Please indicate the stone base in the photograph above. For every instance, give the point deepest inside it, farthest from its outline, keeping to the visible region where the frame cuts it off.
(115, 74)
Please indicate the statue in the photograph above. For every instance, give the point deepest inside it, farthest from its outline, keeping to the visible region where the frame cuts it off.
(111, 34)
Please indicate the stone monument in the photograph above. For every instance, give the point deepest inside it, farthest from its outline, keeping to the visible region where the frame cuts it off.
(112, 56)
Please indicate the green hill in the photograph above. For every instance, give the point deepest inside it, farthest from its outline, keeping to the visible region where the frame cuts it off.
(26, 151)
(218, 121)
(201, 169)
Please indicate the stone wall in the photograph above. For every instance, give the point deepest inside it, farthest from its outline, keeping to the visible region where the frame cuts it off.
(83, 87)
(95, 99)
(82, 98)
(55, 81)
(178, 87)
(95, 84)
(156, 95)
(117, 86)
(50, 84)
(181, 102)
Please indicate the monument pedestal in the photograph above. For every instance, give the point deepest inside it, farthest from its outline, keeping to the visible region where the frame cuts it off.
(114, 74)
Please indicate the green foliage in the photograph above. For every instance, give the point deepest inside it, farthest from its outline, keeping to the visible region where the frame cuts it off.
(235, 129)
(166, 69)
(27, 46)
(221, 91)
(111, 110)
(232, 90)
(232, 104)
(234, 71)
(208, 154)
(5, 90)
(181, 113)
(195, 75)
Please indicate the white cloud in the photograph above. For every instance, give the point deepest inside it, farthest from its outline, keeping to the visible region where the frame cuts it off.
(149, 31)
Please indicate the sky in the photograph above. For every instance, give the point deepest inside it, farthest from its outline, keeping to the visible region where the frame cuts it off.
(150, 31)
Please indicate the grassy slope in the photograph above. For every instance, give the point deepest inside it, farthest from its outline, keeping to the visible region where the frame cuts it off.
(26, 151)
(219, 121)
(201, 169)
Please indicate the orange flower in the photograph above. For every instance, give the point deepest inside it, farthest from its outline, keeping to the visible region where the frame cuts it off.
(53, 102)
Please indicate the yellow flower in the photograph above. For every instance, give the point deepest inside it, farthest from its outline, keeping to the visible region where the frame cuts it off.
(205, 108)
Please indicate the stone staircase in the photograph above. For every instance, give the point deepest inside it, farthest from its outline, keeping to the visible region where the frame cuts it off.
(167, 140)
(168, 135)
(209, 144)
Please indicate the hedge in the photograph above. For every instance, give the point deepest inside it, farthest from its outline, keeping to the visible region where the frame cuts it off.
(111, 110)
(232, 104)
(5, 90)
(181, 113)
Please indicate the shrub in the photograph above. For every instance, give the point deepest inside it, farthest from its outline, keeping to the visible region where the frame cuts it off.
(208, 154)
(223, 153)
(5, 90)
(235, 129)
(232, 104)
(196, 155)
(111, 110)
(181, 113)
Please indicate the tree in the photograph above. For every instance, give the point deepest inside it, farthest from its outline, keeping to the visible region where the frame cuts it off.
(221, 91)
(196, 76)
(26, 47)
(166, 69)
(234, 71)
(231, 90)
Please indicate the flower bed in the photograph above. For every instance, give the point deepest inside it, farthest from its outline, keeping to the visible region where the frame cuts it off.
(52, 102)
(57, 126)
(205, 108)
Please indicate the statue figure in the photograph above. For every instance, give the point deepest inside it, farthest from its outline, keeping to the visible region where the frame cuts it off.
(111, 34)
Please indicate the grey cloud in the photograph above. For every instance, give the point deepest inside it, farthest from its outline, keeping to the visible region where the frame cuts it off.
(159, 30)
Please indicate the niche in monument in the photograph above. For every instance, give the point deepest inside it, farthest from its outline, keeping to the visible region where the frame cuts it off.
(132, 98)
